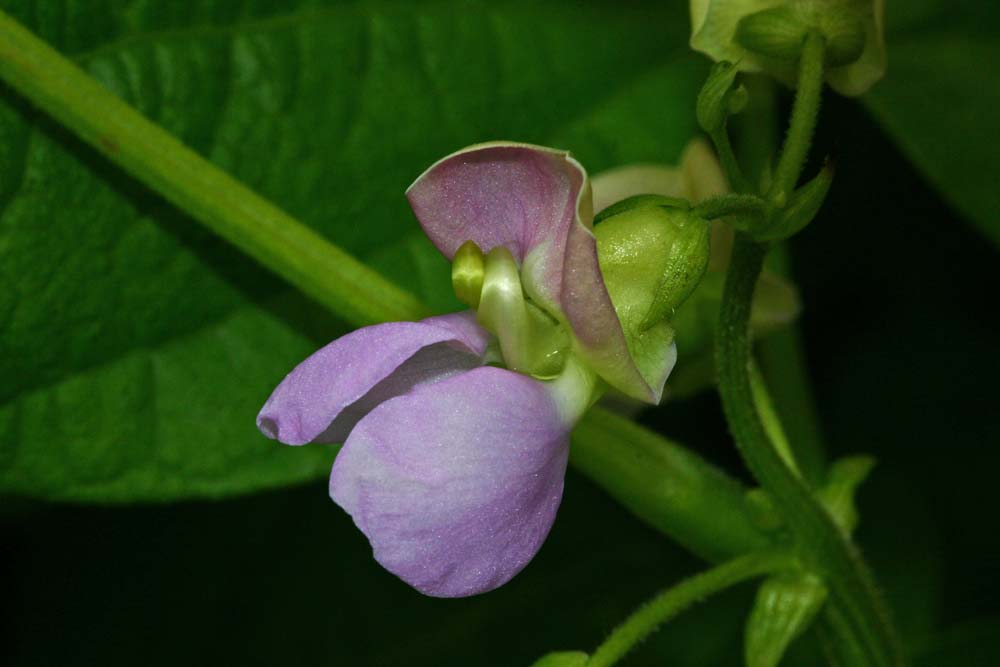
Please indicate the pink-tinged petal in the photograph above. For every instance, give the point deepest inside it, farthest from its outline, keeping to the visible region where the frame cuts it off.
(591, 314)
(325, 396)
(519, 196)
(537, 203)
(456, 484)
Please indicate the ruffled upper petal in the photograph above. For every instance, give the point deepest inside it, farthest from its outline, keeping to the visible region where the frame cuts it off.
(536, 202)
(518, 196)
(325, 395)
(456, 484)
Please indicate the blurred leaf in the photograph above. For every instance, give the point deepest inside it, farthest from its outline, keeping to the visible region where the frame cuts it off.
(135, 348)
(939, 100)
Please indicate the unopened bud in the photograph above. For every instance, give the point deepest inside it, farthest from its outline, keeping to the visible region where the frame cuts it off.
(717, 97)
(785, 606)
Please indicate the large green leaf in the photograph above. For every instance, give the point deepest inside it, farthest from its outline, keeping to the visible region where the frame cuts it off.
(135, 348)
(939, 99)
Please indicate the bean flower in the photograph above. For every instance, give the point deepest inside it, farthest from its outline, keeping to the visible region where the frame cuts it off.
(761, 36)
(455, 429)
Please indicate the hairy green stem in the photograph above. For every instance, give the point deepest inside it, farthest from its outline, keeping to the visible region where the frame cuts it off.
(220, 202)
(730, 165)
(825, 549)
(702, 507)
(804, 113)
(676, 599)
(743, 206)
(784, 365)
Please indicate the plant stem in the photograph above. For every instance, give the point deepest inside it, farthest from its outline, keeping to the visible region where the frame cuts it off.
(220, 202)
(824, 547)
(674, 600)
(783, 361)
(803, 122)
(746, 207)
(730, 165)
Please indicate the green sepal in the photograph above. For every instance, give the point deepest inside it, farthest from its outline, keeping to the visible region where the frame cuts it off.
(838, 494)
(720, 97)
(563, 659)
(652, 258)
(785, 606)
(800, 209)
(779, 32)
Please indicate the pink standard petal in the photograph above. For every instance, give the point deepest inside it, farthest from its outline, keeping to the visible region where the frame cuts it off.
(518, 196)
(325, 395)
(456, 484)
(536, 202)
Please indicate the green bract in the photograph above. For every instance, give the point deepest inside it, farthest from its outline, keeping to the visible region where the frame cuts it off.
(785, 606)
(766, 36)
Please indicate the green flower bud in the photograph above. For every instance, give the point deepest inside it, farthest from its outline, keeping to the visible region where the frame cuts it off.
(785, 606)
(719, 98)
(652, 255)
(563, 659)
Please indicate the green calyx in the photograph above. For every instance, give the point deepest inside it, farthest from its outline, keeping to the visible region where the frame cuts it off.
(531, 341)
(778, 33)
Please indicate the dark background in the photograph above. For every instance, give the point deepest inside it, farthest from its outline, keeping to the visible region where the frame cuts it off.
(901, 327)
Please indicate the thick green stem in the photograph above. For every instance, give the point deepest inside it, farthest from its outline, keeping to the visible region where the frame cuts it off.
(666, 485)
(673, 601)
(215, 199)
(825, 549)
(804, 113)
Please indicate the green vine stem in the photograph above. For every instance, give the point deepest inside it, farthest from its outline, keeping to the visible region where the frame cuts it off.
(676, 599)
(217, 200)
(805, 111)
(855, 626)
(825, 548)
(700, 507)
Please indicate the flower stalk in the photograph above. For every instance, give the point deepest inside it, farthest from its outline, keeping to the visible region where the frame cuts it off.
(676, 599)
(855, 614)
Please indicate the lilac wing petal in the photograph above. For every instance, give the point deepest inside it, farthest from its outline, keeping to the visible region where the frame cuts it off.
(518, 196)
(456, 484)
(325, 395)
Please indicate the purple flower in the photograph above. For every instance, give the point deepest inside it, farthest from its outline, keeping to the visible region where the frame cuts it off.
(453, 466)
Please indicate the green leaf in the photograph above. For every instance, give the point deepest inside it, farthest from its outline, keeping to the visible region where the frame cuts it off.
(939, 101)
(136, 348)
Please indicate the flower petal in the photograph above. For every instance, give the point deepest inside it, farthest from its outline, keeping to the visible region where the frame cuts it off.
(456, 484)
(518, 196)
(325, 395)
